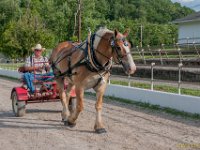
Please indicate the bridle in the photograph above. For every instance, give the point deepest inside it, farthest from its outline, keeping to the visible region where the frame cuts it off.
(115, 48)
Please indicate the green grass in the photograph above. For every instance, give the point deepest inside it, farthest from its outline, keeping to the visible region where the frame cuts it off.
(159, 87)
(149, 106)
(10, 66)
(137, 57)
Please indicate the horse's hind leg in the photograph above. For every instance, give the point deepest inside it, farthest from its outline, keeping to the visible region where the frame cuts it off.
(64, 100)
(79, 106)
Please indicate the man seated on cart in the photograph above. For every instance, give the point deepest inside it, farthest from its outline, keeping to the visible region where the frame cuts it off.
(37, 68)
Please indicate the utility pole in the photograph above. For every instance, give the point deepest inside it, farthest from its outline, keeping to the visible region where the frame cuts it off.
(141, 32)
(79, 20)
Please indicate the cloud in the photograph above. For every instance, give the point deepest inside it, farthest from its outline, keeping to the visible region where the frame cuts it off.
(183, 1)
(186, 1)
(193, 4)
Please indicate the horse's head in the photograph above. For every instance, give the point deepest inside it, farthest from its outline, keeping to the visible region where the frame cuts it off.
(121, 51)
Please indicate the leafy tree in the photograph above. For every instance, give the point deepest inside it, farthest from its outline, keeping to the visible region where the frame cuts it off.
(19, 37)
(23, 23)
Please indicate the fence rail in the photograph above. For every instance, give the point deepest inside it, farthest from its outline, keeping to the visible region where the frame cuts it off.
(184, 103)
(164, 52)
(152, 80)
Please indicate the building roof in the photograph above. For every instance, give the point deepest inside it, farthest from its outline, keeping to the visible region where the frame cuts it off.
(190, 18)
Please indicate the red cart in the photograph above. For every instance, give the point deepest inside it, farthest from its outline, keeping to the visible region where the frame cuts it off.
(45, 91)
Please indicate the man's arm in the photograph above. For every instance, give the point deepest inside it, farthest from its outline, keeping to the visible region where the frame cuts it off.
(29, 68)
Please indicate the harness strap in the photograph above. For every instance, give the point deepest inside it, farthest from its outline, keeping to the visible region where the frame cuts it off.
(100, 79)
(89, 53)
(70, 69)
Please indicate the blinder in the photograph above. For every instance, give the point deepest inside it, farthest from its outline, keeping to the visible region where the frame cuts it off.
(117, 48)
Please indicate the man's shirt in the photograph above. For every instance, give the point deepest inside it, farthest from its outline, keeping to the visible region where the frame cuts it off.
(41, 62)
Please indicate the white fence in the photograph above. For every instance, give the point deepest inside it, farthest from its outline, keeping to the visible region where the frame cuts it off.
(10, 73)
(185, 103)
(180, 102)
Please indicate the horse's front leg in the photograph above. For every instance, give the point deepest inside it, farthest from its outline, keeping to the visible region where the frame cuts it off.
(79, 106)
(99, 127)
(64, 100)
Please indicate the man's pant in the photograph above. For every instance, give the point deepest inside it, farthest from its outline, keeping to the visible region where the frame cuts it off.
(29, 77)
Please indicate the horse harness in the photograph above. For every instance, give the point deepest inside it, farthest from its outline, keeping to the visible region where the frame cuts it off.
(89, 60)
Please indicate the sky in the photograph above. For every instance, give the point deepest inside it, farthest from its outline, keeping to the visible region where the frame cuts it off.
(193, 4)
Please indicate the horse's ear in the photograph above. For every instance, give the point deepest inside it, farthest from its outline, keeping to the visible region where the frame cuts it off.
(126, 32)
(116, 32)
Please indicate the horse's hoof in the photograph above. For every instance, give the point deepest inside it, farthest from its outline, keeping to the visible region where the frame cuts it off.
(69, 124)
(101, 130)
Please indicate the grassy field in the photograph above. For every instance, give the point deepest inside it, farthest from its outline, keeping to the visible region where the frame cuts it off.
(137, 57)
(159, 87)
(10, 66)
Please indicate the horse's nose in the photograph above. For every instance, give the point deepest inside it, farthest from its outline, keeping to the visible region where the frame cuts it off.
(132, 69)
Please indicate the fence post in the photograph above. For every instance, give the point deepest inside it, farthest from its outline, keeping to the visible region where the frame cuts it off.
(161, 60)
(180, 55)
(129, 80)
(150, 50)
(139, 52)
(144, 60)
(180, 65)
(152, 79)
(179, 52)
(163, 49)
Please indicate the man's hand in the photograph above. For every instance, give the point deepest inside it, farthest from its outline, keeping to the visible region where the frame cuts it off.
(47, 68)
(39, 68)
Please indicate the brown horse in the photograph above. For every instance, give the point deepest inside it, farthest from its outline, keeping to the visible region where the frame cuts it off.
(87, 66)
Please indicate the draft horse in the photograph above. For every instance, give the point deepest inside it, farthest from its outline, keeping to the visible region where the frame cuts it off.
(87, 65)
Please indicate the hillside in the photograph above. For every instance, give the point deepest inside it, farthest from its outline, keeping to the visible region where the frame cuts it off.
(26, 22)
(154, 11)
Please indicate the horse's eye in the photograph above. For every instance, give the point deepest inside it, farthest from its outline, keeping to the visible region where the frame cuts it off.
(125, 43)
(112, 43)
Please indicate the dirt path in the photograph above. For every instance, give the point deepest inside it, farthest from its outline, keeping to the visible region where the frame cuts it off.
(129, 128)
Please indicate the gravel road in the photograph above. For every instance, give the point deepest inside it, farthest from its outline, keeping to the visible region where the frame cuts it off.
(129, 127)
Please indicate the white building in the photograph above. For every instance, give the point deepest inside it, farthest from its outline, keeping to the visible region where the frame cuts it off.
(189, 28)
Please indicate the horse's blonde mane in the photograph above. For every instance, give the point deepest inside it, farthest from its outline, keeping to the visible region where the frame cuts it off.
(101, 32)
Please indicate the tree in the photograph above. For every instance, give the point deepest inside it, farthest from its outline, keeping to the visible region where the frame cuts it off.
(24, 23)
(19, 37)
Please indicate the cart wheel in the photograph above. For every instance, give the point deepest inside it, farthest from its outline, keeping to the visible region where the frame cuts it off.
(19, 107)
(72, 104)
